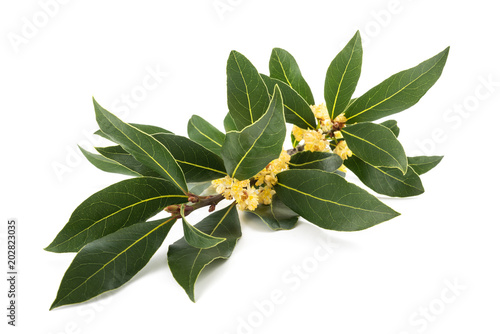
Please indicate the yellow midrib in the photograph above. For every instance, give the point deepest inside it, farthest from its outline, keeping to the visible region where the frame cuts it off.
(115, 257)
(203, 134)
(399, 91)
(372, 144)
(246, 88)
(213, 231)
(283, 69)
(251, 147)
(116, 212)
(329, 201)
(342, 78)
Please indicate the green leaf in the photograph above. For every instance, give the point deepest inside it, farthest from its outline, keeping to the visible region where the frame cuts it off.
(122, 157)
(247, 152)
(247, 97)
(282, 66)
(276, 215)
(423, 164)
(229, 123)
(392, 125)
(197, 238)
(108, 165)
(386, 181)
(376, 145)
(149, 129)
(120, 205)
(108, 263)
(205, 134)
(328, 162)
(144, 147)
(398, 92)
(297, 110)
(186, 262)
(198, 164)
(342, 76)
(329, 201)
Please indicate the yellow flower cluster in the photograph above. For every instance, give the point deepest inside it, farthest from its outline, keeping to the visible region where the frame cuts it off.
(321, 113)
(314, 140)
(248, 197)
(340, 119)
(342, 150)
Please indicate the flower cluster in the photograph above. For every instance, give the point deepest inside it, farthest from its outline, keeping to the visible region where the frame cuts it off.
(315, 140)
(318, 139)
(248, 194)
(342, 150)
(321, 113)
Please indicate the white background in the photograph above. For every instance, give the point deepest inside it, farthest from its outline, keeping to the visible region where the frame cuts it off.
(393, 278)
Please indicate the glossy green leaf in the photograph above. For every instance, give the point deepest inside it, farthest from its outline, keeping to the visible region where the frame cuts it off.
(398, 92)
(120, 205)
(328, 162)
(119, 155)
(342, 76)
(297, 110)
(197, 238)
(423, 164)
(329, 201)
(247, 97)
(198, 163)
(108, 263)
(376, 144)
(108, 165)
(187, 262)
(229, 123)
(276, 215)
(144, 147)
(149, 129)
(386, 181)
(284, 67)
(392, 125)
(247, 152)
(205, 134)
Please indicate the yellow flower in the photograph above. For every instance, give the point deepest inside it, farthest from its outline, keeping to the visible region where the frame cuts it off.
(298, 133)
(340, 118)
(315, 141)
(320, 111)
(326, 125)
(338, 135)
(266, 195)
(248, 197)
(342, 150)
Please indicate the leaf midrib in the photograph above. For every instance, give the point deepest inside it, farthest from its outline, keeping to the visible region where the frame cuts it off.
(201, 250)
(370, 143)
(116, 212)
(143, 150)
(399, 91)
(246, 88)
(203, 134)
(332, 202)
(114, 258)
(342, 78)
(253, 144)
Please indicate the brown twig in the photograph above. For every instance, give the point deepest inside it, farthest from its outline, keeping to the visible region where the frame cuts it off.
(198, 202)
